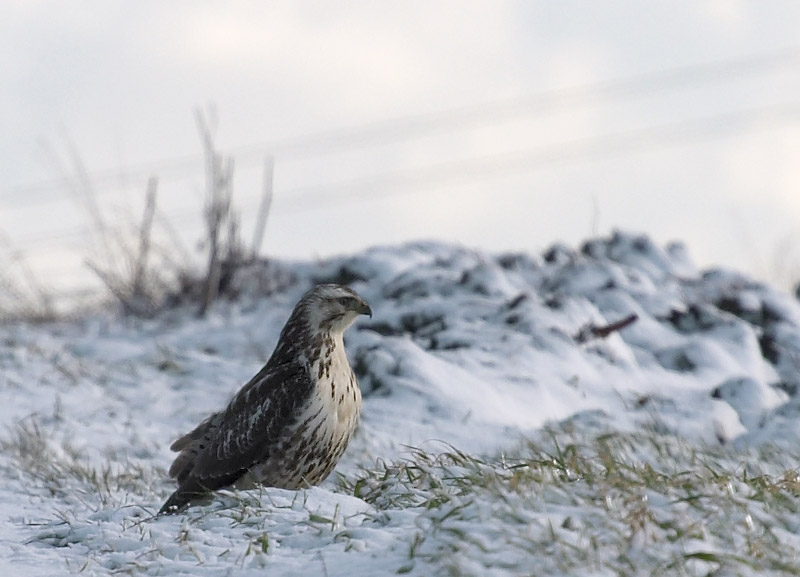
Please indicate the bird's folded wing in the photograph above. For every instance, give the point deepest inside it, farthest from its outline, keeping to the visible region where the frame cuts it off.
(254, 421)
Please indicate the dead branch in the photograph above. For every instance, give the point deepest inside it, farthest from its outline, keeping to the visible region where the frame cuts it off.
(41, 305)
(136, 305)
(591, 331)
(144, 238)
(219, 179)
(264, 206)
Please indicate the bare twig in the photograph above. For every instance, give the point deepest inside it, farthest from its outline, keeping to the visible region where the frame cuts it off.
(175, 239)
(591, 332)
(264, 207)
(118, 289)
(144, 238)
(83, 188)
(136, 283)
(42, 304)
(214, 212)
(219, 219)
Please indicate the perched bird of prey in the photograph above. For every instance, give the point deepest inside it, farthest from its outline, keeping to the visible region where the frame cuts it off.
(289, 425)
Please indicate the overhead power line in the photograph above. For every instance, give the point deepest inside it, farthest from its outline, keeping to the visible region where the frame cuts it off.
(532, 104)
(401, 182)
(596, 147)
(414, 126)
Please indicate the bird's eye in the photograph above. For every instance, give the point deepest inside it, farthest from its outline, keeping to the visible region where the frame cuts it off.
(345, 301)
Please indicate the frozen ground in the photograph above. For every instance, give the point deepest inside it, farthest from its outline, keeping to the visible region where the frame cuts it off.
(502, 434)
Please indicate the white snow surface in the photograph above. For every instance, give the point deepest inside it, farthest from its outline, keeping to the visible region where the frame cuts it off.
(464, 349)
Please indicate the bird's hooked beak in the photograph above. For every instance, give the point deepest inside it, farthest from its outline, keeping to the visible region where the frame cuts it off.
(363, 309)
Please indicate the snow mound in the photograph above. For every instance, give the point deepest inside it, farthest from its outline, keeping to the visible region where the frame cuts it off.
(464, 349)
(471, 342)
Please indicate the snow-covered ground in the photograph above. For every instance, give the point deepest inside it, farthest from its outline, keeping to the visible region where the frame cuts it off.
(502, 433)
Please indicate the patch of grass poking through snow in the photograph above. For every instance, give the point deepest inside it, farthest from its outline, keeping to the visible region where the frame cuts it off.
(566, 503)
(58, 469)
(622, 504)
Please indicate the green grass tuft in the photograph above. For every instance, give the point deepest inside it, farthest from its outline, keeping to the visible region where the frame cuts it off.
(620, 503)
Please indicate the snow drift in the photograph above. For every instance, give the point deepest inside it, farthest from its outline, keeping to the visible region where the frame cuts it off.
(464, 349)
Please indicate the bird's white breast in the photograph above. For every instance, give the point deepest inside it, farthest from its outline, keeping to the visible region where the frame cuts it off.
(310, 448)
(338, 392)
(323, 429)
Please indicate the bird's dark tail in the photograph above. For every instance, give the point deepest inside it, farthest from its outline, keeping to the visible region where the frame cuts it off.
(190, 490)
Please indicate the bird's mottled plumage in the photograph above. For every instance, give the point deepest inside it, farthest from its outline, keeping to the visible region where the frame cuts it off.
(289, 425)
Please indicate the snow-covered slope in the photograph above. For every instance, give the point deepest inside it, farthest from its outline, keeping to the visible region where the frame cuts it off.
(465, 349)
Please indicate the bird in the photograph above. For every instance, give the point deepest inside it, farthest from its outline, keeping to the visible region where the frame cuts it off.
(289, 425)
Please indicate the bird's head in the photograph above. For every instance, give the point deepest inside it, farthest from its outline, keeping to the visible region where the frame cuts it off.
(333, 307)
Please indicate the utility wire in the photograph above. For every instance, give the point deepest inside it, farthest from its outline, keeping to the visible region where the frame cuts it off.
(596, 147)
(409, 181)
(539, 103)
(408, 127)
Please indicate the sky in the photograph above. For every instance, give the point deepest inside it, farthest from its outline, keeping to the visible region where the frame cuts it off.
(494, 125)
